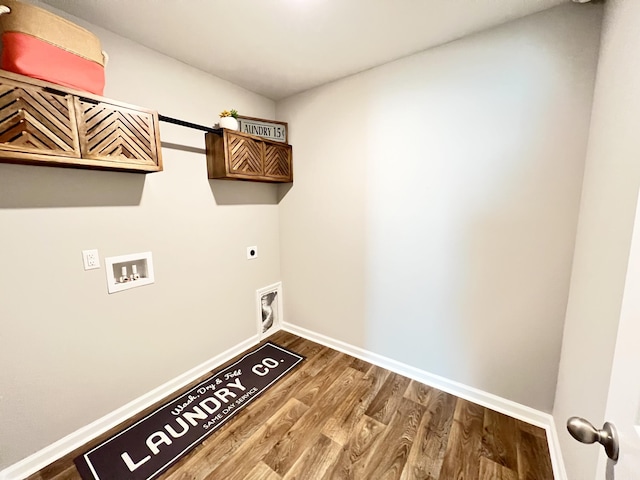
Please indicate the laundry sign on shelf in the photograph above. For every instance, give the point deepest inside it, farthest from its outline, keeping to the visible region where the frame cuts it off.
(269, 129)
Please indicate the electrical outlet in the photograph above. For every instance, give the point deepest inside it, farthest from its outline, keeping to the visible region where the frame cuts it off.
(252, 252)
(91, 259)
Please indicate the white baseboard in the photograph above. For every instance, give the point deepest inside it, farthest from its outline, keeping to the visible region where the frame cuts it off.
(53, 452)
(499, 404)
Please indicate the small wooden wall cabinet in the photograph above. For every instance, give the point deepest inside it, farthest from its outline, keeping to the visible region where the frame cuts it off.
(45, 124)
(233, 155)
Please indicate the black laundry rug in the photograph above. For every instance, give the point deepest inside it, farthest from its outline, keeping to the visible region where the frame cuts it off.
(151, 445)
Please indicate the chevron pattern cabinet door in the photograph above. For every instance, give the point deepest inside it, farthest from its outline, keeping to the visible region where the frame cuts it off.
(233, 155)
(244, 155)
(36, 121)
(116, 134)
(277, 161)
(42, 123)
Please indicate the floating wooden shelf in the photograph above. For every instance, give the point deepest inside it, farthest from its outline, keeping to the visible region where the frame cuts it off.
(233, 155)
(45, 124)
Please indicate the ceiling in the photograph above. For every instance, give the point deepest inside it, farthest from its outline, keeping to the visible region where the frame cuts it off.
(281, 47)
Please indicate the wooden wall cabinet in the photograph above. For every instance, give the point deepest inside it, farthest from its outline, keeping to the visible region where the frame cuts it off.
(45, 124)
(233, 155)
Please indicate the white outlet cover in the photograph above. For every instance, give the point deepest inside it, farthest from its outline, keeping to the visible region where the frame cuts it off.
(91, 259)
(252, 252)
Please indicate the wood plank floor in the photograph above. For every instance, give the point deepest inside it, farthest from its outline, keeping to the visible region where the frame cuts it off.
(337, 417)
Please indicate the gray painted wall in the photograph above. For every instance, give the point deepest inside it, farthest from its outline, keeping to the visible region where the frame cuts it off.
(70, 352)
(434, 211)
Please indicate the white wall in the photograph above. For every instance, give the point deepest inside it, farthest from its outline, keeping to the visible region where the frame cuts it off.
(611, 181)
(71, 353)
(433, 215)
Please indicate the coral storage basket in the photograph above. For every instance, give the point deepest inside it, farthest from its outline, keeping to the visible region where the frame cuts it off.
(41, 45)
